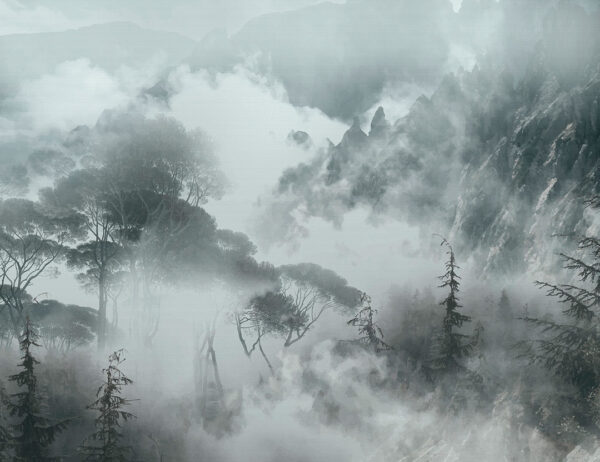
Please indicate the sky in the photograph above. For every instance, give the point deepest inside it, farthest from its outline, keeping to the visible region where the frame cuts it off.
(193, 19)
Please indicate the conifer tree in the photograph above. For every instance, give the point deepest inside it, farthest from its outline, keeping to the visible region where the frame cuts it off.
(370, 333)
(504, 310)
(4, 443)
(5, 437)
(105, 443)
(572, 349)
(450, 346)
(34, 432)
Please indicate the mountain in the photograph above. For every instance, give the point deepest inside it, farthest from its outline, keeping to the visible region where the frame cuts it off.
(338, 57)
(496, 161)
(109, 46)
(341, 57)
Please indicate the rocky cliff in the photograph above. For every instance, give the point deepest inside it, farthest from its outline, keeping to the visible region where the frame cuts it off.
(498, 160)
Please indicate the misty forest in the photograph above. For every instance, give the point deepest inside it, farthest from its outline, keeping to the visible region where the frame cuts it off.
(300, 230)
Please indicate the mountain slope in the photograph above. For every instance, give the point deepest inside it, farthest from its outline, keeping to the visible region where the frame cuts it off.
(338, 57)
(497, 163)
(111, 45)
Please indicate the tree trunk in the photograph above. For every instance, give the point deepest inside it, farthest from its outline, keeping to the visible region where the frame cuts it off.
(102, 311)
(134, 329)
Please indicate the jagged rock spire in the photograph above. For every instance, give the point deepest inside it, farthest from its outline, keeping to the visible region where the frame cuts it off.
(379, 123)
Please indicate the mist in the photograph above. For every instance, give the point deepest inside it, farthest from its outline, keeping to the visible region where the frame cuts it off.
(313, 231)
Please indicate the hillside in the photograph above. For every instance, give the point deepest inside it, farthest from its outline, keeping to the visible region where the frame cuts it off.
(499, 162)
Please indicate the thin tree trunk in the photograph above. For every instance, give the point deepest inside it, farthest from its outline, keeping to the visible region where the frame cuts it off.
(101, 311)
(265, 356)
(213, 358)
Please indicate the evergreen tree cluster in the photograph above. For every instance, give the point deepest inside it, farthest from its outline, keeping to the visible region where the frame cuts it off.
(570, 347)
(33, 432)
(30, 432)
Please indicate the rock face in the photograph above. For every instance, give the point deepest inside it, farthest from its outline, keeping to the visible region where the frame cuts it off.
(499, 163)
(581, 455)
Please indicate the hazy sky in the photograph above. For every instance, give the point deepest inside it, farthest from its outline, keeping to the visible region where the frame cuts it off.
(191, 18)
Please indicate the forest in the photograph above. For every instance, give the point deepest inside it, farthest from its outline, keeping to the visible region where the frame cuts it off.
(306, 231)
(128, 224)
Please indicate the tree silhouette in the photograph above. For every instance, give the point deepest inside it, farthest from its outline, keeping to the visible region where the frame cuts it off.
(105, 443)
(31, 239)
(572, 350)
(450, 346)
(370, 333)
(34, 432)
(5, 436)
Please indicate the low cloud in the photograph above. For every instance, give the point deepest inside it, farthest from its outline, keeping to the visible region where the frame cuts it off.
(249, 120)
(75, 94)
(17, 18)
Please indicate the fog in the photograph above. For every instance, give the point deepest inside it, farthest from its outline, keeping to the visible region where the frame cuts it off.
(249, 197)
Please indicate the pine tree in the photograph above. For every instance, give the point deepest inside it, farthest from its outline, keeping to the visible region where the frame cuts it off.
(105, 443)
(35, 432)
(4, 443)
(370, 333)
(571, 349)
(5, 437)
(504, 310)
(451, 346)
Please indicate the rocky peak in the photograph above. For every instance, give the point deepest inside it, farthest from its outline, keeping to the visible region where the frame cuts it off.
(354, 138)
(379, 124)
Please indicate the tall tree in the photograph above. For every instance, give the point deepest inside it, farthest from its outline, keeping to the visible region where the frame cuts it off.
(209, 388)
(5, 436)
(34, 432)
(105, 444)
(312, 290)
(31, 239)
(83, 193)
(139, 192)
(296, 300)
(451, 346)
(504, 310)
(158, 174)
(570, 348)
